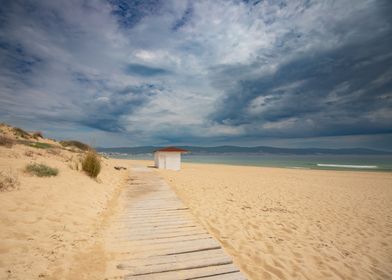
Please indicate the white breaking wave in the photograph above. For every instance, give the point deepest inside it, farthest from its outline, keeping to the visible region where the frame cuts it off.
(347, 166)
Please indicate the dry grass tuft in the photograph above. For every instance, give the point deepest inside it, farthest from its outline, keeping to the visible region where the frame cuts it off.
(41, 170)
(8, 180)
(54, 151)
(29, 153)
(6, 142)
(91, 164)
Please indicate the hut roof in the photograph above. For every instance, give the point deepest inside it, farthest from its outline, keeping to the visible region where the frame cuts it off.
(172, 149)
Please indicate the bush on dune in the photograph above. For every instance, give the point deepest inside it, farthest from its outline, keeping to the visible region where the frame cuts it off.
(39, 145)
(91, 164)
(77, 144)
(37, 134)
(18, 132)
(41, 170)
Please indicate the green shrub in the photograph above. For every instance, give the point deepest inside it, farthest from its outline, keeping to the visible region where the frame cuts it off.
(20, 132)
(39, 145)
(91, 164)
(77, 144)
(41, 170)
(5, 141)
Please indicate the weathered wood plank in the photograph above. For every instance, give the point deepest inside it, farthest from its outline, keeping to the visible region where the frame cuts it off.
(169, 248)
(169, 237)
(226, 276)
(148, 230)
(165, 239)
(160, 225)
(187, 273)
(185, 230)
(176, 258)
(142, 269)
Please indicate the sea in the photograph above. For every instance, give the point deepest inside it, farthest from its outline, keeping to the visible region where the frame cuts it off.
(325, 162)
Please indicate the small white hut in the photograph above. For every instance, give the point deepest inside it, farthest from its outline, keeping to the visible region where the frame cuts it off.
(168, 158)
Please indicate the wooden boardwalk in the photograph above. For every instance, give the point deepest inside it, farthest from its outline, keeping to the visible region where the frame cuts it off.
(156, 237)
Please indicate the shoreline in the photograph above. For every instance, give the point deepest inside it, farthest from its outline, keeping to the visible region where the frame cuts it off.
(354, 170)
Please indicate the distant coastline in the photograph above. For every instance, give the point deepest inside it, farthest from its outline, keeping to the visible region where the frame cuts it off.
(249, 150)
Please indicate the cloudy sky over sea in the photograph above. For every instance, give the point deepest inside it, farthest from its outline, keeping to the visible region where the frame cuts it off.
(295, 73)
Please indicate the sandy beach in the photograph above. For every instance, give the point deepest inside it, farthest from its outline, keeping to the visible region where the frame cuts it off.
(276, 223)
(294, 224)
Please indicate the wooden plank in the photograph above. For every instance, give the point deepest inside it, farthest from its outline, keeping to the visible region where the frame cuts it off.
(165, 236)
(155, 216)
(139, 227)
(184, 230)
(143, 269)
(163, 242)
(179, 257)
(160, 221)
(169, 247)
(159, 210)
(226, 276)
(131, 231)
(151, 220)
(166, 239)
(188, 273)
(160, 251)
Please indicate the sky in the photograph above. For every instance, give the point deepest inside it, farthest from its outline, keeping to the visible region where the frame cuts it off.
(296, 73)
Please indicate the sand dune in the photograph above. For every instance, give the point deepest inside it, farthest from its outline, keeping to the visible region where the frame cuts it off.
(294, 224)
(50, 227)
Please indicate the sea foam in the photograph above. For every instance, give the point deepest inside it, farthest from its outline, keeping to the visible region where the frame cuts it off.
(347, 166)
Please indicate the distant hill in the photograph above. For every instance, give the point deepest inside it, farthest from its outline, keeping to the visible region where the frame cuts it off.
(249, 150)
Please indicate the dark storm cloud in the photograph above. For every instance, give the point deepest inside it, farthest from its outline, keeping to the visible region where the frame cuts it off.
(343, 91)
(186, 17)
(15, 57)
(108, 113)
(130, 12)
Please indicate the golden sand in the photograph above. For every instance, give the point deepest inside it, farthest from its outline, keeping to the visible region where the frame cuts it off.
(276, 223)
(294, 224)
(50, 228)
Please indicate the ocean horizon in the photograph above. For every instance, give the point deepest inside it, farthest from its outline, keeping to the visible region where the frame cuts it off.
(381, 163)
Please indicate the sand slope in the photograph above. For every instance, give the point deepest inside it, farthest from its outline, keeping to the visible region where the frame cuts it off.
(294, 224)
(50, 227)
